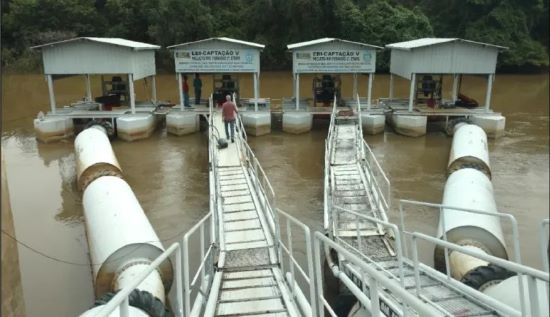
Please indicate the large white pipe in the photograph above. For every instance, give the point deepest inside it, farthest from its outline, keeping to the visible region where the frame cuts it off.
(469, 188)
(469, 149)
(463, 263)
(131, 270)
(508, 292)
(119, 233)
(95, 156)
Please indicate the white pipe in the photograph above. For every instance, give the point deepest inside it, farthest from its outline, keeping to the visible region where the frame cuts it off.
(255, 92)
(88, 88)
(462, 263)
(490, 79)
(94, 156)
(297, 91)
(132, 94)
(412, 92)
(469, 149)
(131, 270)
(180, 89)
(51, 93)
(369, 93)
(508, 292)
(118, 231)
(469, 188)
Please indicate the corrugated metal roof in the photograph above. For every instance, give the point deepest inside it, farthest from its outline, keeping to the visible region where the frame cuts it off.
(106, 40)
(223, 39)
(428, 41)
(328, 40)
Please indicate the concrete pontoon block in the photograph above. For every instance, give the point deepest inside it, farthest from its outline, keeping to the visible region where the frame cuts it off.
(131, 127)
(413, 126)
(373, 123)
(256, 123)
(297, 122)
(50, 129)
(493, 125)
(182, 123)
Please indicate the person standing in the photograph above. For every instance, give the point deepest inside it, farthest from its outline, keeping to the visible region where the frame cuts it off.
(197, 85)
(185, 89)
(229, 110)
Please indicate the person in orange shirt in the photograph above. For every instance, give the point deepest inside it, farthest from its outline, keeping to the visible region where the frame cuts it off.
(229, 111)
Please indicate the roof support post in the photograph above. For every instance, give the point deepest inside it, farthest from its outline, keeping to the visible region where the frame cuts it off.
(490, 80)
(154, 88)
(51, 93)
(297, 95)
(256, 91)
(391, 86)
(88, 88)
(180, 89)
(411, 92)
(455, 87)
(132, 94)
(355, 85)
(369, 93)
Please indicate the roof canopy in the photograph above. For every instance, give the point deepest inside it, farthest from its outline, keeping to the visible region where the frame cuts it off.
(443, 56)
(95, 55)
(331, 55)
(217, 55)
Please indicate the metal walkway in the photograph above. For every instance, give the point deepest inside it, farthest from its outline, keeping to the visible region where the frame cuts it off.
(357, 197)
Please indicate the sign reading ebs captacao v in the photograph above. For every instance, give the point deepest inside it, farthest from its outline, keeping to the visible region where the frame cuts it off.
(217, 61)
(334, 61)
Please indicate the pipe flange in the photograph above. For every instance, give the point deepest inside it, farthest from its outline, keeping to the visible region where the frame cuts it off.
(484, 276)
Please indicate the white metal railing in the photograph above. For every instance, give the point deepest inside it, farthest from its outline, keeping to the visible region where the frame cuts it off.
(543, 243)
(121, 300)
(377, 282)
(377, 177)
(308, 309)
(359, 119)
(531, 274)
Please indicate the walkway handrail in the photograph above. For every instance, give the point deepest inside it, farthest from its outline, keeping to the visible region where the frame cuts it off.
(289, 250)
(326, 193)
(239, 122)
(359, 119)
(543, 240)
(376, 170)
(121, 300)
(377, 280)
(531, 274)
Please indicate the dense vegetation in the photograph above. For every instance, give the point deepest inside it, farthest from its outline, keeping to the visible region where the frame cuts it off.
(521, 25)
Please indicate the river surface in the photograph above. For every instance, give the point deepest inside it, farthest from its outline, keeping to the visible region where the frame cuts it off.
(170, 179)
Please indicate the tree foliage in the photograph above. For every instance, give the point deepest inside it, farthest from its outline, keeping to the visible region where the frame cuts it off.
(521, 25)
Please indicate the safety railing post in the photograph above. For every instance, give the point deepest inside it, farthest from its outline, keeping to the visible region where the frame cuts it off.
(125, 307)
(415, 261)
(445, 250)
(179, 288)
(319, 278)
(291, 263)
(542, 242)
(375, 301)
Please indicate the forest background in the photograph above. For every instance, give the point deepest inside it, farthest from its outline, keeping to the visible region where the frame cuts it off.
(520, 25)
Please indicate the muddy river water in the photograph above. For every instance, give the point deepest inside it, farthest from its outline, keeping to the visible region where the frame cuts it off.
(170, 179)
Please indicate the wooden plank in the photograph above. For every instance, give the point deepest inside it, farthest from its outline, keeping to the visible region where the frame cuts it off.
(257, 306)
(243, 236)
(250, 293)
(242, 225)
(252, 282)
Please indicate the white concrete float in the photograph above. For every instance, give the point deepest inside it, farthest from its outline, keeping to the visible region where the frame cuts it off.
(413, 126)
(181, 122)
(493, 125)
(256, 123)
(297, 122)
(131, 127)
(373, 123)
(50, 129)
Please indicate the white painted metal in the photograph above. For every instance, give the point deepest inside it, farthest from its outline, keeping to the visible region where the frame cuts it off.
(412, 92)
(113, 41)
(369, 93)
(471, 189)
(217, 39)
(455, 87)
(507, 292)
(88, 88)
(51, 93)
(409, 45)
(132, 93)
(329, 40)
(94, 156)
(490, 79)
(469, 149)
(180, 90)
(95, 312)
(131, 271)
(297, 96)
(154, 88)
(462, 263)
(255, 75)
(117, 231)
(544, 243)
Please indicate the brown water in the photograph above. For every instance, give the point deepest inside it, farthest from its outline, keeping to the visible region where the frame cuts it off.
(169, 174)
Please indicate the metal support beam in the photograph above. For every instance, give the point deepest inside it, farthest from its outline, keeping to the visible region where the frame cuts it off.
(132, 94)
(88, 88)
(180, 89)
(391, 86)
(369, 93)
(355, 85)
(297, 91)
(256, 91)
(154, 88)
(490, 80)
(455, 87)
(411, 92)
(51, 93)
